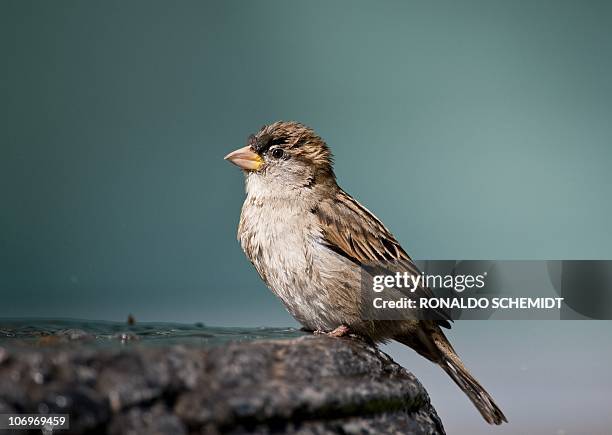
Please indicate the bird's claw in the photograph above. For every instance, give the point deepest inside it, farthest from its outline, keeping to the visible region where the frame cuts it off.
(340, 331)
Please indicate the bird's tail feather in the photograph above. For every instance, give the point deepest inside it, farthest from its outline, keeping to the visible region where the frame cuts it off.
(433, 345)
(476, 393)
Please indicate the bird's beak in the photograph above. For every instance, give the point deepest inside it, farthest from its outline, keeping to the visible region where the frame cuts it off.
(245, 158)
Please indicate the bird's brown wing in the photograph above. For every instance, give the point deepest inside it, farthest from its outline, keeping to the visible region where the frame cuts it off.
(350, 230)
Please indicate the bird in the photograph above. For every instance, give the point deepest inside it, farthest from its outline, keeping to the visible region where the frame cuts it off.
(309, 241)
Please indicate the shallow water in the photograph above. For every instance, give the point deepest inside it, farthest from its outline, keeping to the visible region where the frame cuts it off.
(52, 332)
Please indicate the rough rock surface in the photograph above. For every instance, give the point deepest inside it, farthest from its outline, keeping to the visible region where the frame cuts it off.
(309, 385)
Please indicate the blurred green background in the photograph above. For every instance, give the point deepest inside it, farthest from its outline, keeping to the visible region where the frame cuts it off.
(473, 129)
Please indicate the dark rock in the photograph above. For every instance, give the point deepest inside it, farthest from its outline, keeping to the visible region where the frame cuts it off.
(157, 420)
(309, 385)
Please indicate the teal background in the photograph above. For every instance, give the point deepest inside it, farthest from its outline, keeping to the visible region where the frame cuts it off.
(473, 129)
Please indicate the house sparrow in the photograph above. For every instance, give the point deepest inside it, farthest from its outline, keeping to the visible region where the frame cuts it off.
(309, 239)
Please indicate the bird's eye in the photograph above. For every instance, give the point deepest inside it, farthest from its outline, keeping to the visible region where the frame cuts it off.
(277, 153)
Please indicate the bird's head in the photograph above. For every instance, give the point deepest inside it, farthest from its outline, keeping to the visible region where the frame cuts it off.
(284, 156)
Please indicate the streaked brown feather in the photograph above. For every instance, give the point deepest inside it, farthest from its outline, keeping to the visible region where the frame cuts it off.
(351, 230)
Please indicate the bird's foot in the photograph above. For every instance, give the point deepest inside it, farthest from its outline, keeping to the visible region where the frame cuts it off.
(340, 331)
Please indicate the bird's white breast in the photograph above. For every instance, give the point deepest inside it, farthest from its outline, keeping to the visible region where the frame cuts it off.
(282, 240)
